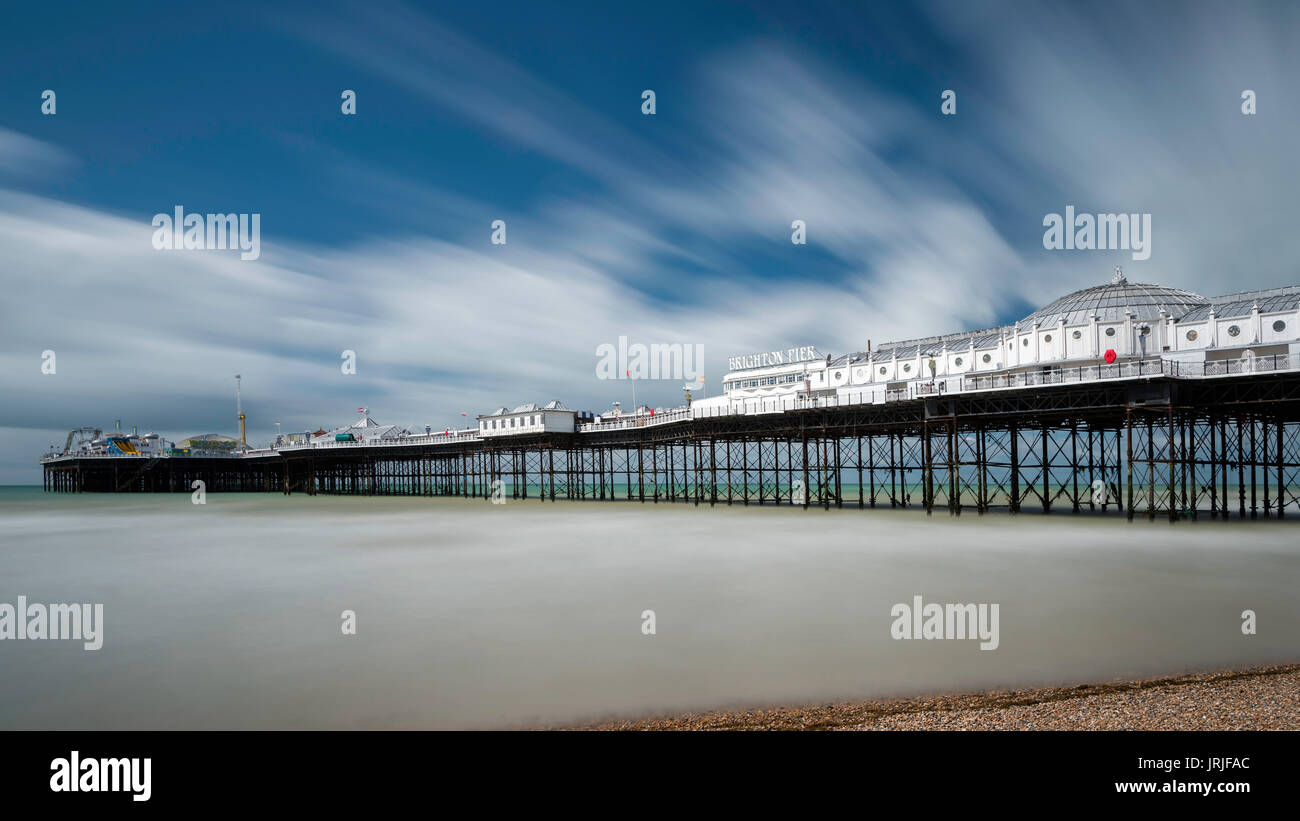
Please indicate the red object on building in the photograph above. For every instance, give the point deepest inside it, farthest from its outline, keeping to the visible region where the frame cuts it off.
(1110, 356)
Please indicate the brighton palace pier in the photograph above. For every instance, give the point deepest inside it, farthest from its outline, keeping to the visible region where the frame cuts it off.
(1122, 398)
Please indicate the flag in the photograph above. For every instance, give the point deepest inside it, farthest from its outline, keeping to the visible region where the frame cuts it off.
(462, 414)
(363, 410)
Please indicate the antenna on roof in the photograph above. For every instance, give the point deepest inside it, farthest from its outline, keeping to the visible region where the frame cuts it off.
(1119, 276)
(239, 409)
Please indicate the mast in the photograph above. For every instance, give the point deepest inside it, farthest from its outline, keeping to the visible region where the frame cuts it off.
(239, 408)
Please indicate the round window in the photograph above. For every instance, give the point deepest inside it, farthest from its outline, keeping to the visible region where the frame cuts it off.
(1234, 330)
(838, 374)
(907, 368)
(1047, 338)
(1110, 332)
(1077, 334)
(882, 370)
(1025, 342)
(1279, 326)
(957, 362)
(1191, 336)
(988, 358)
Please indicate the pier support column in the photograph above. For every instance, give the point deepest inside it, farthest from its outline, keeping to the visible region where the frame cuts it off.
(927, 470)
(807, 491)
(1173, 482)
(1015, 467)
(1128, 463)
(1047, 470)
(1281, 471)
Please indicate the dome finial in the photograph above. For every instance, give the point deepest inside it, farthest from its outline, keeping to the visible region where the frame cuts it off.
(1119, 279)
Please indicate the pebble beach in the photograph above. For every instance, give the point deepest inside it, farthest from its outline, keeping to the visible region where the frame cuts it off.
(1261, 698)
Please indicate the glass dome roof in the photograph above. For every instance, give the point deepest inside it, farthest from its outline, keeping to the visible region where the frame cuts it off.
(1110, 302)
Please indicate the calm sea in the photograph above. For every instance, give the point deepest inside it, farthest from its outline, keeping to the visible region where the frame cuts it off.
(469, 614)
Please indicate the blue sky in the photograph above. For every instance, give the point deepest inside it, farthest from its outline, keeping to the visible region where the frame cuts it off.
(670, 228)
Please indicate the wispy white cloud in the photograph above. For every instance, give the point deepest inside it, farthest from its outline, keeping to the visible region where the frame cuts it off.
(410, 49)
(1137, 107)
(24, 158)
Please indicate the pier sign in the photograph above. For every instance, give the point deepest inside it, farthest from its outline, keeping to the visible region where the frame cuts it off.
(805, 353)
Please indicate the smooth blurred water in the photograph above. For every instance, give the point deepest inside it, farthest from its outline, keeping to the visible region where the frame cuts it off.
(227, 615)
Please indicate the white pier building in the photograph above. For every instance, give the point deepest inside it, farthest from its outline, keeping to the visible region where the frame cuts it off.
(550, 418)
(1113, 331)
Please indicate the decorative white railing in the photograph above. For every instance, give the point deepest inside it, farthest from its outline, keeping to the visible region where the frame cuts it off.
(206, 454)
(639, 421)
(400, 441)
(1234, 367)
(1064, 376)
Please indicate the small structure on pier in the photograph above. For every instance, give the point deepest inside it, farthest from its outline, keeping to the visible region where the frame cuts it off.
(553, 417)
(364, 429)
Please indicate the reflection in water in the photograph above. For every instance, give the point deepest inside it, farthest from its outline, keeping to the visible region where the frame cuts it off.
(469, 614)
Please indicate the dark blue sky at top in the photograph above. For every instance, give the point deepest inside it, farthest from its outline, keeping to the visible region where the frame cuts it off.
(223, 108)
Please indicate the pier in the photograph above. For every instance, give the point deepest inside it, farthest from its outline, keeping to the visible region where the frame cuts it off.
(1152, 441)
